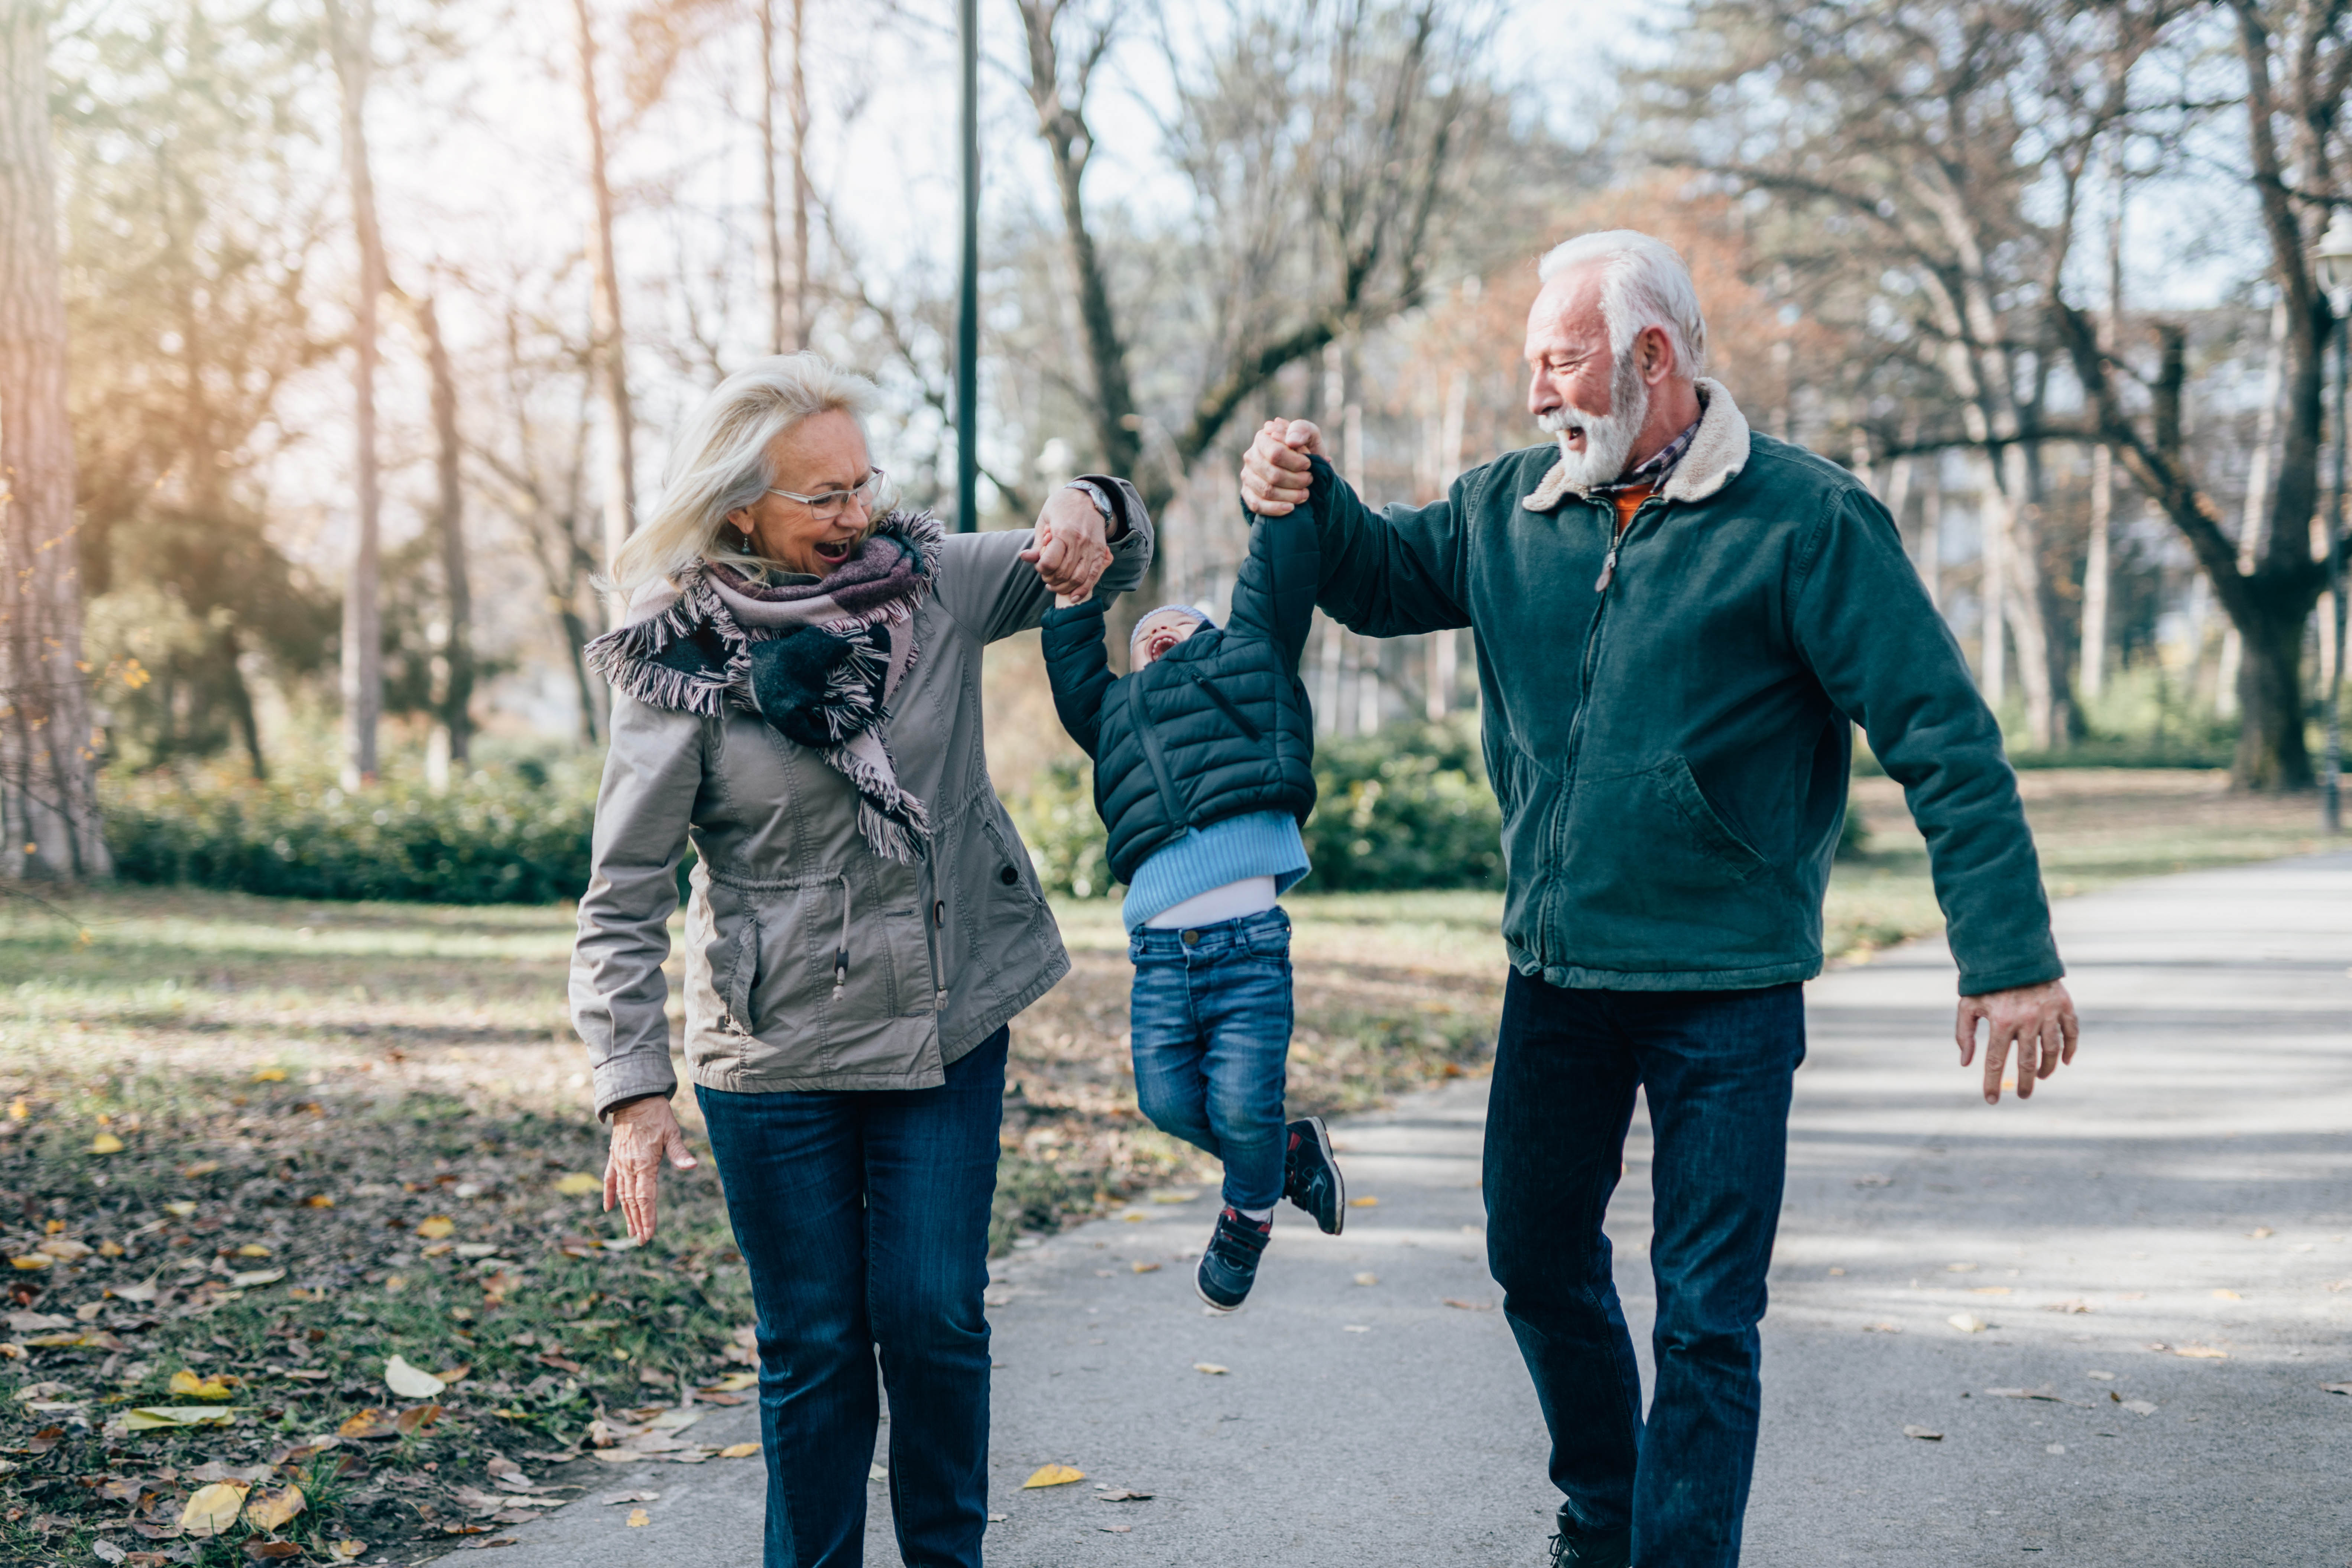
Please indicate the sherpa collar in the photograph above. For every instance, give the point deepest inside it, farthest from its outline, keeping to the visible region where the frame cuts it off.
(1717, 454)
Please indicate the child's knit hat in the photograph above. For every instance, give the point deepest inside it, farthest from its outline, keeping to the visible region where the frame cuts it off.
(1136, 635)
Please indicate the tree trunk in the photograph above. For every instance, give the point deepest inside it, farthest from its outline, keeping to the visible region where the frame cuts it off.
(48, 806)
(609, 347)
(351, 40)
(797, 108)
(457, 694)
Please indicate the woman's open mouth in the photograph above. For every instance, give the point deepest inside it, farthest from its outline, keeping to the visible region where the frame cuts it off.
(834, 550)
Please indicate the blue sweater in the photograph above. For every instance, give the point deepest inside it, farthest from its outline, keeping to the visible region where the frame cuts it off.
(1256, 844)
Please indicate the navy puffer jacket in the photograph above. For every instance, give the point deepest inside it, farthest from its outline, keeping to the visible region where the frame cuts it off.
(1219, 726)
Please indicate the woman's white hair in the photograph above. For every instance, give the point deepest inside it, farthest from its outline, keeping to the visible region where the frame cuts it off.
(1643, 284)
(719, 461)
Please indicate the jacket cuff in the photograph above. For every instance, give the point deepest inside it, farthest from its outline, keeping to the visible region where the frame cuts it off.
(1130, 510)
(2038, 972)
(632, 1077)
(1096, 605)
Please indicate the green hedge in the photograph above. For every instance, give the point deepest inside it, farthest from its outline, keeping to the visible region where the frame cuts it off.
(511, 835)
(1404, 809)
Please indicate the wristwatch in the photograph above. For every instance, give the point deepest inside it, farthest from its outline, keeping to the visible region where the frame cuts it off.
(1094, 493)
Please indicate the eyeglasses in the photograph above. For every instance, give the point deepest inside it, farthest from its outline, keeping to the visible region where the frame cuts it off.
(832, 503)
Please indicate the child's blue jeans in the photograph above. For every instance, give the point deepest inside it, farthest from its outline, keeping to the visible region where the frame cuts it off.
(1211, 1032)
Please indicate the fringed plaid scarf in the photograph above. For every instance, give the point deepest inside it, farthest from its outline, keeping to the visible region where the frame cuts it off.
(820, 661)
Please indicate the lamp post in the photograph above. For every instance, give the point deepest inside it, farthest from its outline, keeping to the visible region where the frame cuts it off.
(2335, 259)
(967, 295)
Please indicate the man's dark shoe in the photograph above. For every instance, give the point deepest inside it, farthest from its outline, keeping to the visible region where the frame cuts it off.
(1310, 1177)
(1228, 1267)
(1602, 1549)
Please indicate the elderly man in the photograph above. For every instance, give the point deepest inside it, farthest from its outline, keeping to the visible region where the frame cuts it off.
(1676, 620)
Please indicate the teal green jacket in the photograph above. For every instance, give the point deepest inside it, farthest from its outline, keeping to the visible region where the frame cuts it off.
(1672, 748)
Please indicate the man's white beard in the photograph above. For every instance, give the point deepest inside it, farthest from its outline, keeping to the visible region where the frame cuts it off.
(1608, 438)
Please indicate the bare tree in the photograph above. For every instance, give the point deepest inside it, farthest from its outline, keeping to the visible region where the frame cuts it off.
(455, 699)
(351, 34)
(49, 807)
(609, 346)
(2297, 60)
(787, 272)
(1324, 145)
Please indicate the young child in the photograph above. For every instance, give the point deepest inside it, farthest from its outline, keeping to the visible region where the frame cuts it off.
(1203, 774)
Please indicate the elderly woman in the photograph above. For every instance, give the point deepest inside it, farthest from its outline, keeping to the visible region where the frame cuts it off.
(796, 692)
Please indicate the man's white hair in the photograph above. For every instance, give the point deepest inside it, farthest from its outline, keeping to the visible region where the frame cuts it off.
(1643, 284)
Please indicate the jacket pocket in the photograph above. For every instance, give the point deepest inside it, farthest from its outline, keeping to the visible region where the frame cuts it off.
(1705, 824)
(1654, 880)
(740, 979)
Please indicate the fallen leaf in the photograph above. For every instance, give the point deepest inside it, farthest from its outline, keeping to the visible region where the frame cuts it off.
(613, 1498)
(2201, 1353)
(739, 1450)
(2071, 1304)
(368, 1423)
(106, 1144)
(622, 1455)
(1925, 1433)
(152, 1417)
(269, 1074)
(1968, 1323)
(1134, 1217)
(1116, 1528)
(32, 1261)
(1120, 1494)
(1211, 1368)
(1881, 1328)
(143, 1292)
(2227, 1296)
(180, 1208)
(201, 1168)
(321, 1201)
(639, 1519)
(2137, 1406)
(1052, 1476)
(107, 1552)
(579, 1183)
(212, 1509)
(1364, 1202)
(410, 1381)
(1176, 1196)
(1368, 1278)
(185, 1381)
(1469, 1306)
(1959, 1268)
(436, 1226)
(2259, 1232)
(252, 1249)
(877, 1473)
(734, 1382)
(272, 1512)
(416, 1418)
(63, 1248)
(345, 1551)
(271, 1550)
(1139, 1267)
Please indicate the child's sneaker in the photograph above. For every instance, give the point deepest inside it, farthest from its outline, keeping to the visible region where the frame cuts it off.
(1310, 1177)
(1228, 1267)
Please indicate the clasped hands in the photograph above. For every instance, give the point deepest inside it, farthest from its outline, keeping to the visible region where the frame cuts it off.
(1072, 548)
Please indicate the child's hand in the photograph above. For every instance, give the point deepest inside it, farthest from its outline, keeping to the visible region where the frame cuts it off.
(1063, 601)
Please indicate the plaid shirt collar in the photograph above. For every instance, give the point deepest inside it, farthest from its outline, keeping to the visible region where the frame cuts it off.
(1653, 474)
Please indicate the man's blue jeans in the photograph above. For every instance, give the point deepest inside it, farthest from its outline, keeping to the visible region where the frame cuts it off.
(1211, 1025)
(1717, 1066)
(863, 1218)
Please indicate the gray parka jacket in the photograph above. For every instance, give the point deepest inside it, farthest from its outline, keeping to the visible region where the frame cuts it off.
(940, 953)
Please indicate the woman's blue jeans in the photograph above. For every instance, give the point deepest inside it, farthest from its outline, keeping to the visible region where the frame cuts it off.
(1717, 1066)
(1211, 1025)
(863, 1216)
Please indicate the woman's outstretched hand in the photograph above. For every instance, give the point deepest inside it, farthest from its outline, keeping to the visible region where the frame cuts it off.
(643, 1132)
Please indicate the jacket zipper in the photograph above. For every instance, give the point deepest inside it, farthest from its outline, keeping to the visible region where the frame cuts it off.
(1591, 662)
(1232, 710)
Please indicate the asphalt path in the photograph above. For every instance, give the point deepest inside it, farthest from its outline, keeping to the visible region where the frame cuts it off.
(2150, 1261)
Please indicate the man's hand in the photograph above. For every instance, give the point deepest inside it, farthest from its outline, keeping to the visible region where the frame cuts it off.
(643, 1132)
(2038, 1019)
(1071, 552)
(1275, 470)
